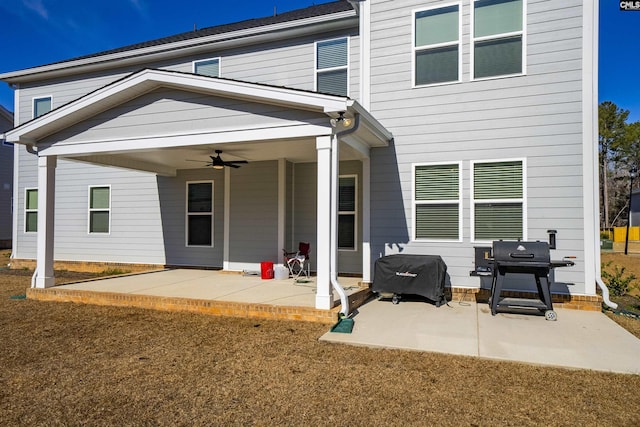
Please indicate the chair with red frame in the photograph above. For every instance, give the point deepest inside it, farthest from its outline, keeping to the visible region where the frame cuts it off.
(298, 262)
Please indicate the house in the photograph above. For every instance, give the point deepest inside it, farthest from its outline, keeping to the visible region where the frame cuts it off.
(370, 128)
(6, 180)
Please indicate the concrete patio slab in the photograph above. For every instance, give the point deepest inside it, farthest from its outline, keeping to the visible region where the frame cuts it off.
(578, 339)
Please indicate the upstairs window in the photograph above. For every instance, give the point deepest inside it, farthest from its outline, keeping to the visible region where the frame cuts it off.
(347, 213)
(498, 38)
(332, 66)
(498, 195)
(99, 209)
(207, 67)
(41, 106)
(31, 210)
(437, 45)
(437, 202)
(200, 213)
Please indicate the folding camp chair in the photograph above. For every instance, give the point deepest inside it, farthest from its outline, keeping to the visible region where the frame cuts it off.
(298, 262)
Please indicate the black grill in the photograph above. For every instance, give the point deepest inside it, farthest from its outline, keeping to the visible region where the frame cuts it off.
(422, 275)
(531, 258)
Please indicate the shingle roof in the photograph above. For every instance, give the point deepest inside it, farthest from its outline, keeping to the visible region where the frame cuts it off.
(308, 12)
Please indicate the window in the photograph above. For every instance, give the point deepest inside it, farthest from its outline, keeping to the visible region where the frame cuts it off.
(437, 45)
(99, 209)
(200, 213)
(498, 195)
(437, 202)
(347, 212)
(332, 66)
(41, 106)
(31, 210)
(498, 38)
(207, 67)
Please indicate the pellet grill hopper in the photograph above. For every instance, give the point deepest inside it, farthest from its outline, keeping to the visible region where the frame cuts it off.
(399, 275)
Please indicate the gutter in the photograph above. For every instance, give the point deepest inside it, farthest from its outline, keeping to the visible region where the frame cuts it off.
(333, 263)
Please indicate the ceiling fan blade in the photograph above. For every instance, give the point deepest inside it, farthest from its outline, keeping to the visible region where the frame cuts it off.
(231, 165)
(237, 161)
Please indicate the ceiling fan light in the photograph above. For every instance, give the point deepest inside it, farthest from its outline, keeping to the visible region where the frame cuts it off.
(218, 167)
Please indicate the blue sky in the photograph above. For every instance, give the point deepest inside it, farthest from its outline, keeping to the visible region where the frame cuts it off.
(38, 32)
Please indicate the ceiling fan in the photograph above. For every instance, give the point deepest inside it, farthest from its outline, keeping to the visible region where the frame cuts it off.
(217, 162)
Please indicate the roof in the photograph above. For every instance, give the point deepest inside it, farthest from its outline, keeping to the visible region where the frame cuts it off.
(6, 114)
(308, 12)
(193, 39)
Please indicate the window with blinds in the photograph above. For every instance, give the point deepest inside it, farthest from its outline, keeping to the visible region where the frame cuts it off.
(498, 38)
(437, 45)
(99, 209)
(498, 200)
(31, 210)
(437, 201)
(207, 67)
(347, 212)
(332, 66)
(199, 213)
(42, 106)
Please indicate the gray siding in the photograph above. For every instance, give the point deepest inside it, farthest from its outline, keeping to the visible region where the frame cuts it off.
(536, 117)
(136, 234)
(254, 215)
(173, 196)
(305, 213)
(6, 182)
(289, 63)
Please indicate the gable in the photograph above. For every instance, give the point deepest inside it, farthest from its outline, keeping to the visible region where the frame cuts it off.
(170, 111)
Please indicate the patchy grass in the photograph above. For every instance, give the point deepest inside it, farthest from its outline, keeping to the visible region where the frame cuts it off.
(74, 364)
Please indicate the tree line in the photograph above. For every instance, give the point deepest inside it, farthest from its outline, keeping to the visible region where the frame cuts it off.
(619, 151)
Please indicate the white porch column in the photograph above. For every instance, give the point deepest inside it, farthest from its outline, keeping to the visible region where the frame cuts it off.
(46, 209)
(366, 220)
(324, 296)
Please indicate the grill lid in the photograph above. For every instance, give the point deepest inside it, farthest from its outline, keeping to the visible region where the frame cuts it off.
(521, 253)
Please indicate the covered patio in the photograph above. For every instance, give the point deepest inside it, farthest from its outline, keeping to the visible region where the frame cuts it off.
(158, 121)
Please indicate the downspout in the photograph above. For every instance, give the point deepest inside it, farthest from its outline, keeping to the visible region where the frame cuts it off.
(333, 262)
(605, 293)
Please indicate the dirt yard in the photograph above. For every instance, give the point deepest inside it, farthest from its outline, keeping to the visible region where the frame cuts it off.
(71, 364)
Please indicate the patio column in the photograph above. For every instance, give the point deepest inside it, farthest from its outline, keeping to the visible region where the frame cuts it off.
(44, 277)
(324, 295)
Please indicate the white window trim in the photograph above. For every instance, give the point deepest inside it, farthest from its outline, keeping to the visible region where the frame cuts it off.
(6, 143)
(218, 58)
(415, 202)
(187, 214)
(472, 210)
(354, 212)
(33, 104)
(26, 191)
(522, 32)
(324, 70)
(90, 209)
(434, 46)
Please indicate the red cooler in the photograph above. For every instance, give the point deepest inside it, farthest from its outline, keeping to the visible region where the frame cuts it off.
(266, 270)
